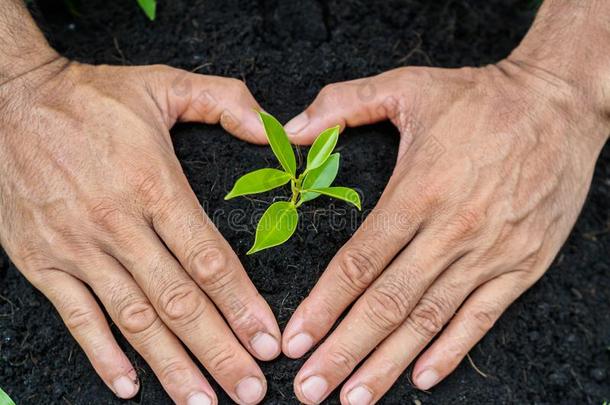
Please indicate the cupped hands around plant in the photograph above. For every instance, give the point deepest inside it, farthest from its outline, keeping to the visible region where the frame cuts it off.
(280, 220)
(94, 202)
(493, 168)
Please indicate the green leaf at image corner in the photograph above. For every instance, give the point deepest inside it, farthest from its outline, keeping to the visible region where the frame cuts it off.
(322, 147)
(5, 399)
(279, 143)
(320, 177)
(276, 226)
(258, 181)
(342, 193)
(149, 7)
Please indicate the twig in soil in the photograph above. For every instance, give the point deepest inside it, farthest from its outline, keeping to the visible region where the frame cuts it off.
(118, 48)
(201, 67)
(299, 156)
(475, 366)
(33, 360)
(27, 335)
(416, 49)
(575, 376)
(592, 235)
(282, 303)
(257, 200)
(12, 313)
(66, 400)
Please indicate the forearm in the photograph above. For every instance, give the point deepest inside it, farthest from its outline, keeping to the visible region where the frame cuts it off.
(570, 39)
(22, 46)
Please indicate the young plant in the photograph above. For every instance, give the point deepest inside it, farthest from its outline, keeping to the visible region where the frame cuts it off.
(149, 7)
(280, 220)
(5, 399)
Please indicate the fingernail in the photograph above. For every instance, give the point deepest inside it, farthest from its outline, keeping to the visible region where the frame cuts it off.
(124, 387)
(249, 390)
(299, 345)
(427, 379)
(314, 388)
(199, 398)
(265, 345)
(360, 396)
(297, 124)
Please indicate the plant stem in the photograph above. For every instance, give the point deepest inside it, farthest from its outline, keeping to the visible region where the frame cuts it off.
(295, 191)
(295, 185)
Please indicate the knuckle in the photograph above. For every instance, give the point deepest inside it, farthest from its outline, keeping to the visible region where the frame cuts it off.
(427, 318)
(174, 373)
(331, 93)
(221, 360)
(209, 266)
(240, 315)
(431, 197)
(78, 317)
(387, 305)
(468, 221)
(136, 316)
(239, 87)
(484, 319)
(342, 360)
(357, 268)
(181, 303)
(149, 188)
(33, 259)
(106, 215)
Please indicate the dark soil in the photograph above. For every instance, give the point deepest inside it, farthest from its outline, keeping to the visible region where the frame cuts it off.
(552, 346)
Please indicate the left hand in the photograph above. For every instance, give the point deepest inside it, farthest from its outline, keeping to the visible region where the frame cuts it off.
(493, 168)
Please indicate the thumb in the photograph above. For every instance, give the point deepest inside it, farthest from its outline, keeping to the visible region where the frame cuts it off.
(191, 97)
(348, 104)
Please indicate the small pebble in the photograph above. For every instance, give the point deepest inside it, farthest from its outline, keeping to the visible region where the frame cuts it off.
(558, 379)
(598, 374)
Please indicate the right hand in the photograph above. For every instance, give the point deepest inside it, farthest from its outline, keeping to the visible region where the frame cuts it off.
(92, 194)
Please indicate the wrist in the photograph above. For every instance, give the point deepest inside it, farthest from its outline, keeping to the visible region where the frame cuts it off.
(23, 48)
(569, 45)
(36, 58)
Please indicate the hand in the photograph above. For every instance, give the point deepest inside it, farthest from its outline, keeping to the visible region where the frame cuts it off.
(493, 168)
(93, 201)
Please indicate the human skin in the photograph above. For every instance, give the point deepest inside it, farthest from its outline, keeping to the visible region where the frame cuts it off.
(93, 201)
(493, 168)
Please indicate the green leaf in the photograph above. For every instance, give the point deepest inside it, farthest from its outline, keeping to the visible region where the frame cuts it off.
(276, 226)
(149, 7)
(322, 147)
(342, 193)
(279, 143)
(320, 177)
(5, 399)
(258, 181)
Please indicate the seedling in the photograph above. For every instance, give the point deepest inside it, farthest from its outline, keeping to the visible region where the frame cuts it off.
(280, 220)
(149, 7)
(5, 399)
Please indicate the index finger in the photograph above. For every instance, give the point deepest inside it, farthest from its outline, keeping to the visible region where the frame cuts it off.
(387, 229)
(208, 258)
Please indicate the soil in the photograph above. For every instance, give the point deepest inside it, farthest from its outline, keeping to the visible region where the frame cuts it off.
(551, 346)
